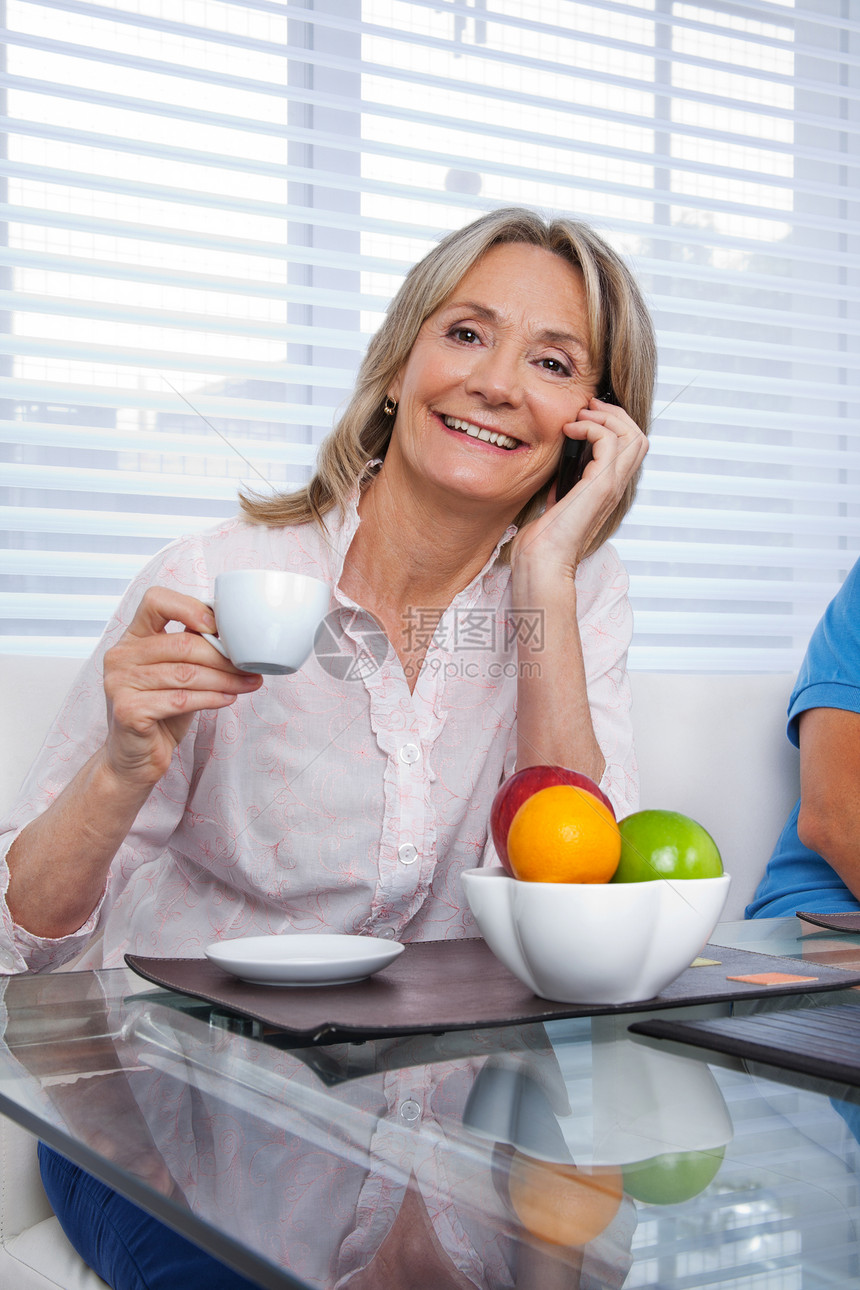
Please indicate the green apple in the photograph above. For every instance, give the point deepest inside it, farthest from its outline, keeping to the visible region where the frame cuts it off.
(665, 844)
(673, 1177)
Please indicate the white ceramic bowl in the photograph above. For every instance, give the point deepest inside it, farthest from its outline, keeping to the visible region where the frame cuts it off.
(597, 942)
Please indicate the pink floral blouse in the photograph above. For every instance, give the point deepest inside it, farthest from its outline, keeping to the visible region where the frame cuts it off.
(333, 799)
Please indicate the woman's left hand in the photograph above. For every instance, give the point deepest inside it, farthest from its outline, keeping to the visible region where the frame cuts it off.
(560, 537)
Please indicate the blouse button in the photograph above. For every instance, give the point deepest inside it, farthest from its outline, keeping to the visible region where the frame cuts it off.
(387, 933)
(410, 1111)
(407, 853)
(410, 753)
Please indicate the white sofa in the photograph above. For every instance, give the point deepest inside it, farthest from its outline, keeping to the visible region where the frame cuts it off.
(713, 747)
(34, 1252)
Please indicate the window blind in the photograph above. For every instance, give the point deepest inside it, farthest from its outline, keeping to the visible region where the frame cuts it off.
(206, 207)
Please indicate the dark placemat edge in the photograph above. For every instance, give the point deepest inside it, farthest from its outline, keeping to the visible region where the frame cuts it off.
(834, 922)
(701, 1034)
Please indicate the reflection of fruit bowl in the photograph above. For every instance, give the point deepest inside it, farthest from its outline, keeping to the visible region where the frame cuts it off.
(649, 1103)
(595, 943)
(624, 1116)
(625, 1102)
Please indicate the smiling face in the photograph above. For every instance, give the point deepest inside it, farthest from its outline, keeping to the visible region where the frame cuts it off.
(493, 376)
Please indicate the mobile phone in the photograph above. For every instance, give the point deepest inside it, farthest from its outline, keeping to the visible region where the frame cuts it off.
(575, 456)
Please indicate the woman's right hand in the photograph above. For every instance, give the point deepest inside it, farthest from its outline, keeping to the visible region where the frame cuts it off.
(156, 680)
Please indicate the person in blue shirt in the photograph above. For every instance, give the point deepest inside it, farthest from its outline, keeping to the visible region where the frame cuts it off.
(816, 863)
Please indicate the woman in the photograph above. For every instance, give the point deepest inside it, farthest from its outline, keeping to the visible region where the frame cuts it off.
(204, 803)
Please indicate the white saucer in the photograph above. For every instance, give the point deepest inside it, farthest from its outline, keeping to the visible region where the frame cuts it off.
(303, 958)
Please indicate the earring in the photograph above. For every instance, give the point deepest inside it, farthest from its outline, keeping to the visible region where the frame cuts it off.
(389, 407)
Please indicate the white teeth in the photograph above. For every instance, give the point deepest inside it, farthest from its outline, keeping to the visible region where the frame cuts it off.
(478, 432)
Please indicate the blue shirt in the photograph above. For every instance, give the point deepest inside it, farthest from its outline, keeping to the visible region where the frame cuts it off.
(797, 878)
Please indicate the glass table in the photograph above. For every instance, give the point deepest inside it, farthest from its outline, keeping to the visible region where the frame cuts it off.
(570, 1154)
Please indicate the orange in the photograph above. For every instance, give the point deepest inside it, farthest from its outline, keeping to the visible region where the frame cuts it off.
(564, 1204)
(563, 834)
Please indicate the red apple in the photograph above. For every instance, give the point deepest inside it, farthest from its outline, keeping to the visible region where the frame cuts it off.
(520, 787)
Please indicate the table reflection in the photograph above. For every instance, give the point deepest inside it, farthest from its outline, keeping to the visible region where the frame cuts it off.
(505, 1158)
(349, 1165)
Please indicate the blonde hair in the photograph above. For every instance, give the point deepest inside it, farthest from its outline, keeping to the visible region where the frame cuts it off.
(621, 344)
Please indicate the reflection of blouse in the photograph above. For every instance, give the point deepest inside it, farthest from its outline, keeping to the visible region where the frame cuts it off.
(332, 799)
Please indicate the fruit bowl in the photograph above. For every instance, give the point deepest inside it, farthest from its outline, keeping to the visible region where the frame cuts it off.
(607, 943)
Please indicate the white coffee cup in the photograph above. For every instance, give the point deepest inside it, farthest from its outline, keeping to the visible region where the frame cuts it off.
(267, 618)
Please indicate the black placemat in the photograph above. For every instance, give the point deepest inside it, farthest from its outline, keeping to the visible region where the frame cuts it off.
(458, 985)
(848, 922)
(824, 1042)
